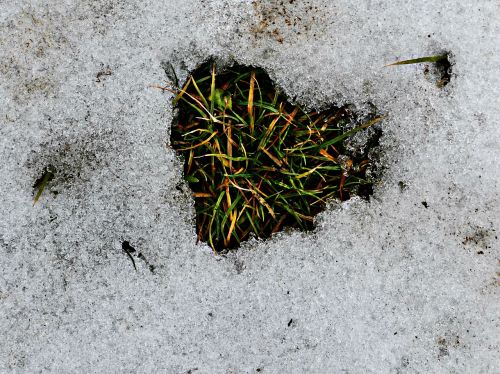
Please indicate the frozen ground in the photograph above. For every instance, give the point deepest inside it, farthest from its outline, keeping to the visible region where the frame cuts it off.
(389, 286)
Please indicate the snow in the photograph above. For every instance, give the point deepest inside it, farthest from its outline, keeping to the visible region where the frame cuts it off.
(389, 285)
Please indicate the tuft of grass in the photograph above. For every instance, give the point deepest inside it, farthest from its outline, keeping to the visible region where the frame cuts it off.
(255, 162)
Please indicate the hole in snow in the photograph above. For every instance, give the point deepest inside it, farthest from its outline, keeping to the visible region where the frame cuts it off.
(440, 71)
(257, 163)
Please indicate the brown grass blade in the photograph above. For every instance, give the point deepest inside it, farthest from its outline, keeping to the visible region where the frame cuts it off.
(250, 101)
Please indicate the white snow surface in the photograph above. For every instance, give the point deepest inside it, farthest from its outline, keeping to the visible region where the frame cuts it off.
(385, 286)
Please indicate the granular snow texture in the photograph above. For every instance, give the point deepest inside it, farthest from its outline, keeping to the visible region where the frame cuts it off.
(405, 283)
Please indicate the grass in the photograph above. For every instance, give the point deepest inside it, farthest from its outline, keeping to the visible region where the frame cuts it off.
(255, 162)
(440, 62)
(42, 181)
(431, 59)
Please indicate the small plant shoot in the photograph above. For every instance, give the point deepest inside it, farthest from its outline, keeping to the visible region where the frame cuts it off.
(257, 163)
(432, 59)
(42, 182)
(441, 63)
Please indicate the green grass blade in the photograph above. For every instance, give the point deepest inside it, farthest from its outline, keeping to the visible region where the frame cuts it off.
(42, 183)
(419, 60)
(214, 214)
